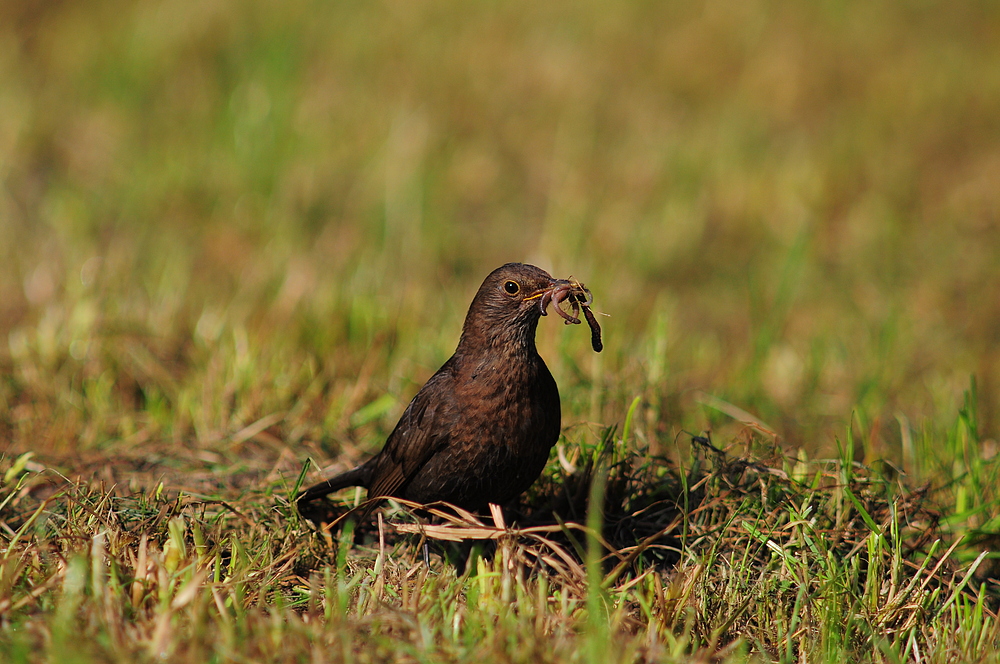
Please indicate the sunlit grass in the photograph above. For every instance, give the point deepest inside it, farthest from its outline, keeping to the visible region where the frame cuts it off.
(788, 559)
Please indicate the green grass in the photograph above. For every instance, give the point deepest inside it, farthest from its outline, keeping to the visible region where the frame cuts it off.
(786, 559)
(235, 238)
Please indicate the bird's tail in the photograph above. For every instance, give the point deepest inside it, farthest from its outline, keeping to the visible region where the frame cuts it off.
(357, 477)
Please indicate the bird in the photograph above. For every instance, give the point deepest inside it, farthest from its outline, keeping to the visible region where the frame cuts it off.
(480, 429)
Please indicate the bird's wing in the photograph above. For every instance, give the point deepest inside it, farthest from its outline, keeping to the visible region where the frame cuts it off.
(419, 434)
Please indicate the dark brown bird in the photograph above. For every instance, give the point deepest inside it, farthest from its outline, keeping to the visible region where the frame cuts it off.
(480, 430)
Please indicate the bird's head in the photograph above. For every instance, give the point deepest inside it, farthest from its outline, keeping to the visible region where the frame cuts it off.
(505, 311)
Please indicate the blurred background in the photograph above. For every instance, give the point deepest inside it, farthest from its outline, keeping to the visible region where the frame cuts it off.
(228, 224)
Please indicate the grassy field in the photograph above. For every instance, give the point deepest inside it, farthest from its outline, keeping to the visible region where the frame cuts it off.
(236, 237)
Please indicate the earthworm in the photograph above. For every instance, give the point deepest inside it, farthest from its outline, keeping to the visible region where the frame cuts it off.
(579, 297)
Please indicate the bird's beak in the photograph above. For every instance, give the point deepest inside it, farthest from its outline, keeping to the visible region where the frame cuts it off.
(556, 285)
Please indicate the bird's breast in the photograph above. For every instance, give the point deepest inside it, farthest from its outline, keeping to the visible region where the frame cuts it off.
(512, 404)
(503, 418)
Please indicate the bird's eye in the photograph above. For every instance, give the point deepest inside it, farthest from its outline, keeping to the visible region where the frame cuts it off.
(511, 287)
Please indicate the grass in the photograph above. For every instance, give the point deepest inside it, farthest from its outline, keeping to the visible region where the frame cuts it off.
(787, 559)
(235, 238)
